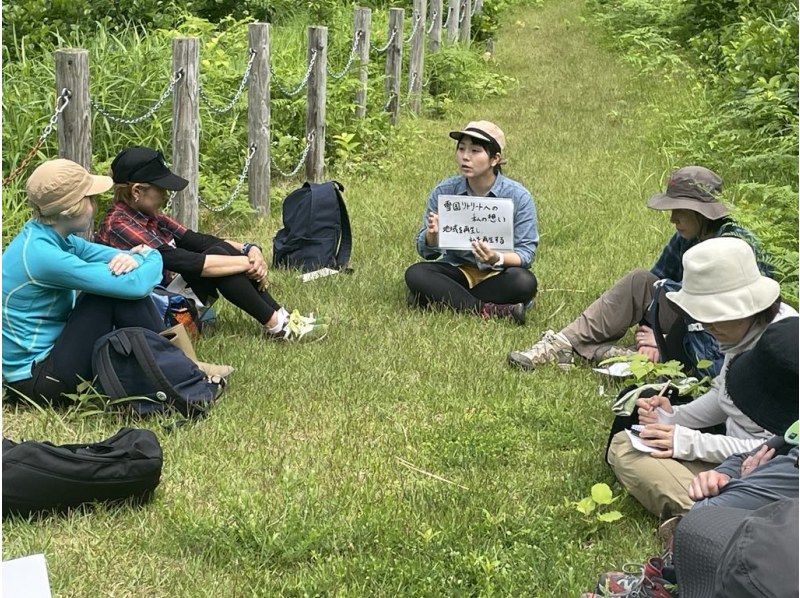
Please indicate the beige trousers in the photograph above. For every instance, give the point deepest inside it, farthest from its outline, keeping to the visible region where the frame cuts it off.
(614, 312)
(661, 485)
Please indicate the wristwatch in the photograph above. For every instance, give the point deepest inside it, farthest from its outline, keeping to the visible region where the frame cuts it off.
(248, 246)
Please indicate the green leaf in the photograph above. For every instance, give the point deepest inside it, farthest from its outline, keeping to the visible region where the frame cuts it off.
(609, 517)
(585, 506)
(601, 494)
(704, 364)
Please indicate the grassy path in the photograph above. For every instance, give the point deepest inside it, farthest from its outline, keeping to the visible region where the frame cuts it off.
(298, 484)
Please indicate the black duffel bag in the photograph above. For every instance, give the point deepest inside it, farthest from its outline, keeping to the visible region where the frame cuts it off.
(40, 476)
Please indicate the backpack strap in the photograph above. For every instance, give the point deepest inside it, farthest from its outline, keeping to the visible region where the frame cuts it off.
(103, 368)
(346, 242)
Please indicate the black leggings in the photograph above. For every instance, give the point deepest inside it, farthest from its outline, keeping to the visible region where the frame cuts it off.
(236, 288)
(70, 360)
(439, 282)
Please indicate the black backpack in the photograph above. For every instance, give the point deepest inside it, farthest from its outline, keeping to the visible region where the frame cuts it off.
(316, 229)
(137, 362)
(40, 476)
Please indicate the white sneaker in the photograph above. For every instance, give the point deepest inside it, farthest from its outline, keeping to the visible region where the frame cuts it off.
(553, 347)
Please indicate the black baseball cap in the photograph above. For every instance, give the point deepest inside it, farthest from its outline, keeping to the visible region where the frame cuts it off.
(145, 165)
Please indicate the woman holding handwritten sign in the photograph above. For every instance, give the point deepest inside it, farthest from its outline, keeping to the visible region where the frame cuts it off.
(478, 277)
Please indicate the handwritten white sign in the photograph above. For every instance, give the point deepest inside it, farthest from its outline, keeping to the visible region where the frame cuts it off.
(463, 219)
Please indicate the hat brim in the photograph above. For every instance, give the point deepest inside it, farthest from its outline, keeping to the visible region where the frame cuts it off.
(171, 182)
(700, 539)
(728, 305)
(459, 134)
(712, 210)
(99, 184)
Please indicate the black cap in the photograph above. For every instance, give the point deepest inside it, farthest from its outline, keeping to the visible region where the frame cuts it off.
(145, 165)
(762, 382)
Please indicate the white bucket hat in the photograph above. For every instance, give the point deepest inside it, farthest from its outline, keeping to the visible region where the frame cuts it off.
(721, 282)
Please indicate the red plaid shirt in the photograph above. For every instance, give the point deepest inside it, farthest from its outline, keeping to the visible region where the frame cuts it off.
(125, 228)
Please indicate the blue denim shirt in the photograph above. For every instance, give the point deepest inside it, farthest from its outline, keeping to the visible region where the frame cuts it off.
(526, 231)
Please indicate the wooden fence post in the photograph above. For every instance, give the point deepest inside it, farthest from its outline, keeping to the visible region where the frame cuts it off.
(185, 129)
(394, 63)
(417, 61)
(317, 90)
(362, 27)
(452, 20)
(435, 36)
(465, 23)
(75, 123)
(258, 98)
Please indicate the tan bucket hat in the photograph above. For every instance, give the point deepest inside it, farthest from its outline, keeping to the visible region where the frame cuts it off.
(721, 282)
(57, 185)
(485, 131)
(692, 188)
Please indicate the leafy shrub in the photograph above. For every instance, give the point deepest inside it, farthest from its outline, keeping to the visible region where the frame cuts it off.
(741, 55)
(122, 87)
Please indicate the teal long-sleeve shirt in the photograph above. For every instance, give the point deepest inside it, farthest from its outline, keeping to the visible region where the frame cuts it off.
(41, 273)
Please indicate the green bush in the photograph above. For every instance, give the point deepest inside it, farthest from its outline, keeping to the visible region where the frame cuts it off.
(121, 85)
(742, 56)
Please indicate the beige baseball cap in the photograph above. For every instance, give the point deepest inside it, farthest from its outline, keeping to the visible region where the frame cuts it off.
(485, 131)
(57, 185)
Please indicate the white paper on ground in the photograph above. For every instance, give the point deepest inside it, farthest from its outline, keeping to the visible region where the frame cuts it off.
(322, 272)
(619, 369)
(637, 443)
(26, 577)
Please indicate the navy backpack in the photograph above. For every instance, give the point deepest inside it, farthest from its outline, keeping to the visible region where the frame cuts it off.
(137, 362)
(316, 229)
(687, 340)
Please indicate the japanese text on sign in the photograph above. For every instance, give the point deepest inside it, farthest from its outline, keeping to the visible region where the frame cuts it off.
(464, 219)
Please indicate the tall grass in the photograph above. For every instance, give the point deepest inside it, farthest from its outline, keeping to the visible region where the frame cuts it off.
(299, 482)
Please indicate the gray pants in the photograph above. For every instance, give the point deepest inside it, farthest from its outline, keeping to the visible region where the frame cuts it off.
(615, 311)
(776, 479)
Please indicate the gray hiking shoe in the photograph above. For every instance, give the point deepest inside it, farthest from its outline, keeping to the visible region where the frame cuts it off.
(553, 348)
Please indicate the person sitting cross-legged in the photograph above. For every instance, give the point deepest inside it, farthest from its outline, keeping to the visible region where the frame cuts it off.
(494, 284)
(209, 265)
(724, 290)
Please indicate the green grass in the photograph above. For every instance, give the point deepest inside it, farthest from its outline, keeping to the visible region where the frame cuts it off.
(295, 485)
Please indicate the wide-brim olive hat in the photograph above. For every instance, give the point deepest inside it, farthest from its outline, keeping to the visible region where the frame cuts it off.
(692, 188)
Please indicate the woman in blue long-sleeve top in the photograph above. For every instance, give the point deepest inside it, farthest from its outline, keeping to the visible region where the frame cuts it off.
(483, 280)
(48, 329)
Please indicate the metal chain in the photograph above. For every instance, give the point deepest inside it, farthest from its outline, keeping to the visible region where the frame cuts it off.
(350, 58)
(411, 80)
(392, 96)
(303, 83)
(300, 163)
(416, 27)
(433, 22)
(150, 112)
(237, 188)
(389, 43)
(61, 103)
(449, 14)
(242, 84)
